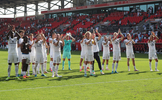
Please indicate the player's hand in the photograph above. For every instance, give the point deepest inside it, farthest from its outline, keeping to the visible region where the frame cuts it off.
(153, 33)
(61, 35)
(110, 37)
(47, 53)
(96, 31)
(119, 30)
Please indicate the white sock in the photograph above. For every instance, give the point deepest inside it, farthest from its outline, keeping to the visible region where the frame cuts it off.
(28, 69)
(85, 69)
(84, 65)
(56, 70)
(106, 65)
(134, 67)
(16, 69)
(102, 66)
(116, 67)
(45, 66)
(156, 64)
(112, 66)
(150, 65)
(42, 68)
(9, 70)
(38, 68)
(24, 73)
(53, 70)
(51, 64)
(128, 67)
(80, 67)
(91, 69)
(33, 68)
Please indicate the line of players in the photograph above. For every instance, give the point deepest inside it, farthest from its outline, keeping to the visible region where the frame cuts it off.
(89, 42)
(21, 49)
(29, 51)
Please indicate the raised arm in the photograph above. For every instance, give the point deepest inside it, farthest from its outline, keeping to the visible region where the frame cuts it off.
(82, 40)
(99, 35)
(18, 35)
(155, 36)
(56, 44)
(115, 37)
(8, 34)
(63, 43)
(47, 48)
(121, 35)
(88, 42)
(44, 39)
(73, 39)
(110, 39)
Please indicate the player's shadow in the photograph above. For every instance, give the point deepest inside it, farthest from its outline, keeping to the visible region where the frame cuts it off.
(4, 78)
(67, 77)
(68, 71)
(159, 73)
(137, 72)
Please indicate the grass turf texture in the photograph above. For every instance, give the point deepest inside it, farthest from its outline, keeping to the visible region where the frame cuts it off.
(74, 86)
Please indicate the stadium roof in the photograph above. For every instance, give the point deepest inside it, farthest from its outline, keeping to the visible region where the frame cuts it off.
(13, 3)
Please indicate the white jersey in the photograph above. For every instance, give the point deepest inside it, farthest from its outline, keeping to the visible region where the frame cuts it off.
(89, 47)
(39, 47)
(95, 47)
(12, 46)
(129, 46)
(51, 46)
(58, 47)
(151, 46)
(82, 47)
(20, 42)
(44, 49)
(106, 49)
(32, 48)
(116, 45)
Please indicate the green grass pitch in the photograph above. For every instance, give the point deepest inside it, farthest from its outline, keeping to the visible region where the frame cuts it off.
(142, 85)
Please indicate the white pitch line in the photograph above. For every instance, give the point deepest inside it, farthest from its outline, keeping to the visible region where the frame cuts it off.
(79, 84)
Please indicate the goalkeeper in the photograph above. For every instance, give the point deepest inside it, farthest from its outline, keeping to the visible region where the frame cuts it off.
(67, 49)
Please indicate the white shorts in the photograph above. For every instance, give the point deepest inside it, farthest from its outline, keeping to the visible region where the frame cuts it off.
(153, 55)
(20, 56)
(39, 59)
(25, 56)
(116, 55)
(106, 56)
(130, 54)
(32, 57)
(57, 58)
(51, 55)
(82, 55)
(13, 58)
(89, 57)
